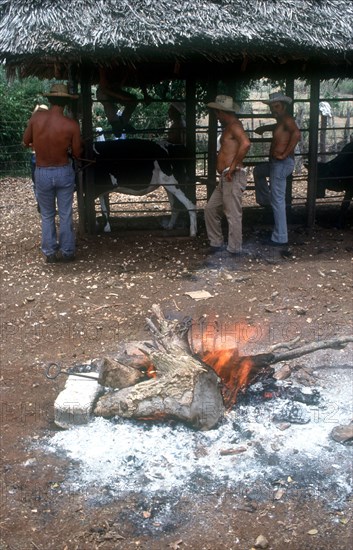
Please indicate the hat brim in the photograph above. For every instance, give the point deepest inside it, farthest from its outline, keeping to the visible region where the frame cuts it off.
(61, 94)
(283, 99)
(220, 107)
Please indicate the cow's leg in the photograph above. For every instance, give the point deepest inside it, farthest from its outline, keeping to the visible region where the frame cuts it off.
(191, 208)
(104, 202)
(175, 213)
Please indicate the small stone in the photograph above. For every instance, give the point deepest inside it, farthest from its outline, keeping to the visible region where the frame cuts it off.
(300, 310)
(343, 434)
(277, 496)
(261, 542)
(295, 413)
(283, 373)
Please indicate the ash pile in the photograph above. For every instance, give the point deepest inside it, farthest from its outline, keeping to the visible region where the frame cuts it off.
(282, 431)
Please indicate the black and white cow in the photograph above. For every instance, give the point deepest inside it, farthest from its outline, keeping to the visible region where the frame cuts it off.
(138, 167)
(337, 175)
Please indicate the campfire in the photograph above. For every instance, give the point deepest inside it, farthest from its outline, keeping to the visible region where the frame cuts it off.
(178, 376)
(270, 431)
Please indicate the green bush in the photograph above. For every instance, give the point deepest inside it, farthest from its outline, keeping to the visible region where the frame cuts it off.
(17, 101)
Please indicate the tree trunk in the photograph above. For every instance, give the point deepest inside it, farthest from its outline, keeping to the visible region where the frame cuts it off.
(183, 387)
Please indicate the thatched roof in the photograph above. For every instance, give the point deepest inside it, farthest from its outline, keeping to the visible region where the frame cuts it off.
(35, 33)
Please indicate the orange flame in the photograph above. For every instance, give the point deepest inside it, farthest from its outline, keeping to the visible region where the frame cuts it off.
(150, 370)
(235, 372)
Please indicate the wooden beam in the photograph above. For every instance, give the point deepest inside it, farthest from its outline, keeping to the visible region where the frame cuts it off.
(87, 133)
(313, 150)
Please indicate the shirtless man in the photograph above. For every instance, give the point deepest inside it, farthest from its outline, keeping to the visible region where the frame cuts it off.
(53, 135)
(285, 136)
(227, 196)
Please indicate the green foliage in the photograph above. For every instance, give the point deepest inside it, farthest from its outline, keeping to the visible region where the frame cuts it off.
(17, 101)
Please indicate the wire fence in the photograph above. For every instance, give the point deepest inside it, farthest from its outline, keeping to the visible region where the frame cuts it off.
(334, 132)
(14, 157)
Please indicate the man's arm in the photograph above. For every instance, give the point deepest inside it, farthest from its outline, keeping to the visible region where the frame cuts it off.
(243, 147)
(294, 134)
(27, 138)
(266, 128)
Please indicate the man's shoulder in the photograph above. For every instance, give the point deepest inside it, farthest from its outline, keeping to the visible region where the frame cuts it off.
(235, 123)
(71, 121)
(290, 121)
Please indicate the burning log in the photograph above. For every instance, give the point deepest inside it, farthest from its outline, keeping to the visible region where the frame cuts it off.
(238, 372)
(182, 386)
(184, 383)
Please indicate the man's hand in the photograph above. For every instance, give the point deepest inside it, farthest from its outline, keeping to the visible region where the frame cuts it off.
(229, 175)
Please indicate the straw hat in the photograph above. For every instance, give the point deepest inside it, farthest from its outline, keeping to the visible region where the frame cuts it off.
(224, 103)
(278, 96)
(60, 90)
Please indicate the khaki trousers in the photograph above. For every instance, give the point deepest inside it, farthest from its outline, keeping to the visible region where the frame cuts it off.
(226, 199)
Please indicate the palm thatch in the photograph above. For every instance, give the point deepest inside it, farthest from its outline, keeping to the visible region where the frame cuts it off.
(38, 33)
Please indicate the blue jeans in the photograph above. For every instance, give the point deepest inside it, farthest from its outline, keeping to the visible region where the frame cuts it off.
(274, 192)
(55, 187)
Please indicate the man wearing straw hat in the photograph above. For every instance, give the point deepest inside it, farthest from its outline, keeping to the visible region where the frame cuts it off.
(53, 135)
(285, 136)
(227, 196)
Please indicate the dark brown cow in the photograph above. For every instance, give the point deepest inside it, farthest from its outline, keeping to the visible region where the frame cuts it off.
(337, 175)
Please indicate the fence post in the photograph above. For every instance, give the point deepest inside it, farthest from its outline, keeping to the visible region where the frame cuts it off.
(313, 149)
(88, 173)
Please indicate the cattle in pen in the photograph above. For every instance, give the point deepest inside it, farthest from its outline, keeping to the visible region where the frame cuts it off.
(138, 167)
(337, 175)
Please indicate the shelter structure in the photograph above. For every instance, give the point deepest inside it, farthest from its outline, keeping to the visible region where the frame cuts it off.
(202, 41)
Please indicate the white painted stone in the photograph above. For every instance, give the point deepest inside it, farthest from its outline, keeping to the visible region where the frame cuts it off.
(74, 405)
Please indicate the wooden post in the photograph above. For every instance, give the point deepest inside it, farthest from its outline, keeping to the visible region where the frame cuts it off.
(289, 187)
(212, 141)
(88, 171)
(73, 76)
(313, 149)
(347, 126)
(190, 116)
(323, 132)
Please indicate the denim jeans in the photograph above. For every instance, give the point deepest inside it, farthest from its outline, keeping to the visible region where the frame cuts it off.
(55, 187)
(274, 192)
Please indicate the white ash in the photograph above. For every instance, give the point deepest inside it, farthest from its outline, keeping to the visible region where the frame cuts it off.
(130, 457)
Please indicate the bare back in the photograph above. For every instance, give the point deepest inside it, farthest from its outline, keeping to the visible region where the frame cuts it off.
(52, 135)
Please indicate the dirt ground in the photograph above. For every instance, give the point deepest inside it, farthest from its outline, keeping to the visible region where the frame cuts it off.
(70, 313)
